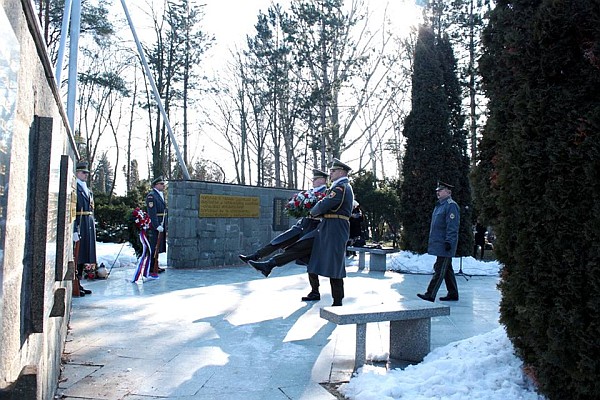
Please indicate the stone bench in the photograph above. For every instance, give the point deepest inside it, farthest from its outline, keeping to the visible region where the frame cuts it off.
(410, 326)
(377, 258)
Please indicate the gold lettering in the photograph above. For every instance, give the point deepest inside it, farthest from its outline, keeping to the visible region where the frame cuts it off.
(220, 206)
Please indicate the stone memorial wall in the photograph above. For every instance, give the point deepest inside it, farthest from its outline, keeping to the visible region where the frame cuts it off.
(210, 224)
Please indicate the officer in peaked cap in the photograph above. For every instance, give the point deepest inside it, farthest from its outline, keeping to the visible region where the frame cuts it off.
(157, 180)
(328, 256)
(337, 164)
(443, 185)
(156, 207)
(84, 226)
(297, 242)
(317, 173)
(443, 240)
(82, 166)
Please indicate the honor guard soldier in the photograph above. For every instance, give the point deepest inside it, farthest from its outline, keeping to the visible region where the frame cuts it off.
(328, 257)
(156, 207)
(297, 242)
(84, 228)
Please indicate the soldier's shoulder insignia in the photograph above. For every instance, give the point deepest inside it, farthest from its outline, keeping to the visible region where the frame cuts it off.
(452, 216)
(150, 204)
(332, 194)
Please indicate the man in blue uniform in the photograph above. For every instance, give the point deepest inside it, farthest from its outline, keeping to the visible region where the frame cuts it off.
(156, 207)
(84, 228)
(303, 227)
(443, 240)
(328, 257)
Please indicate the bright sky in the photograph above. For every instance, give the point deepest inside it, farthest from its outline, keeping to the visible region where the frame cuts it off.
(230, 21)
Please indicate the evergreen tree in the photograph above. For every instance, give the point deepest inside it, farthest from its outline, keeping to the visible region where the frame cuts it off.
(436, 146)
(539, 172)
(457, 165)
(102, 181)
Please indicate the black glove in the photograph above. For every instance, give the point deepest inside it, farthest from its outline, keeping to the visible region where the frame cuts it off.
(447, 246)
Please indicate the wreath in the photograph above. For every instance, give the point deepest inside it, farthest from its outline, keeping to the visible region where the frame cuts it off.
(300, 204)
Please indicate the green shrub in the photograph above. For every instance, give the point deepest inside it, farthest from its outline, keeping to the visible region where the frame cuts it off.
(114, 217)
(539, 172)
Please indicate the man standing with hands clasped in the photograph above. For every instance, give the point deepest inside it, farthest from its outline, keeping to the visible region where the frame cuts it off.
(443, 240)
(156, 207)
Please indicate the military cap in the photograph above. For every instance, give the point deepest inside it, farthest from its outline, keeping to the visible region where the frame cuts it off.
(82, 166)
(443, 185)
(158, 180)
(317, 173)
(337, 164)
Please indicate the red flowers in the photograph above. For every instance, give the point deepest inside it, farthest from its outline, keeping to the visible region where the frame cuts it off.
(300, 204)
(142, 220)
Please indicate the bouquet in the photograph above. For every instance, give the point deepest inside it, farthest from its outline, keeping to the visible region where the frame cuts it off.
(141, 219)
(300, 204)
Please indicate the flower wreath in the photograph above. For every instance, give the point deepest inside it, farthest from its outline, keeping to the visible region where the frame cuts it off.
(300, 204)
(141, 219)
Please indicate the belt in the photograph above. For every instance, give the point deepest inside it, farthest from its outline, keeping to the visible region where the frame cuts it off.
(161, 214)
(336, 216)
(78, 213)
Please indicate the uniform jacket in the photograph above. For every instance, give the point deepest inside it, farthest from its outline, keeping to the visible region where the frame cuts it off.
(328, 256)
(445, 222)
(157, 211)
(85, 226)
(302, 227)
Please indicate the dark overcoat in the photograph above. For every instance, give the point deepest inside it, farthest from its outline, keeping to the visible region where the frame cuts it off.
(304, 226)
(328, 257)
(85, 226)
(157, 211)
(445, 222)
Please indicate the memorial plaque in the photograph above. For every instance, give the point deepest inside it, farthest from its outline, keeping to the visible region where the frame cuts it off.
(219, 206)
(280, 218)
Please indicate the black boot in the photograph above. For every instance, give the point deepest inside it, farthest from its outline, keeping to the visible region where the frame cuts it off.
(251, 257)
(337, 291)
(265, 267)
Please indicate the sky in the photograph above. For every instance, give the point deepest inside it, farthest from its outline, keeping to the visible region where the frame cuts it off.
(480, 367)
(229, 21)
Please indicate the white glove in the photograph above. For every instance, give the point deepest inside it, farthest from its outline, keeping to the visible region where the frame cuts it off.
(75, 237)
(160, 228)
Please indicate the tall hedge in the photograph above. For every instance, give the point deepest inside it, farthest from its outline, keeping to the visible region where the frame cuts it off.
(539, 169)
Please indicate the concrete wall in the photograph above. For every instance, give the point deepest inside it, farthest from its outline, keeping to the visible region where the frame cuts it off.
(195, 241)
(37, 154)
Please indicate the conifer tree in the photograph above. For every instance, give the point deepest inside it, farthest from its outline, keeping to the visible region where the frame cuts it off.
(539, 176)
(435, 143)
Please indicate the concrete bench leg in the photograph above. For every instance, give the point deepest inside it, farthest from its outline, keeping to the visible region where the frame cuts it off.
(377, 262)
(410, 340)
(361, 346)
(361, 260)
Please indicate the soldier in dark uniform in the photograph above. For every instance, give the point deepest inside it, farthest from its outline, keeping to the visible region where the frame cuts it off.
(328, 257)
(84, 228)
(305, 246)
(443, 240)
(156, 207)
(302, 227)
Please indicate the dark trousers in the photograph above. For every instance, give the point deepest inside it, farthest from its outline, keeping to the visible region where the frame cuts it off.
(337, 290)
(482, 250)
(296, 251)
(442, 271)
(270, 248)
(313, 279)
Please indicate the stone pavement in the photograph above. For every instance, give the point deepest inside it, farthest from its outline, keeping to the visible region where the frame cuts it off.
(230, 333)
